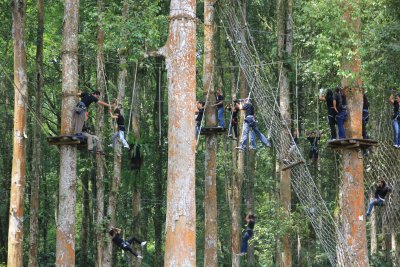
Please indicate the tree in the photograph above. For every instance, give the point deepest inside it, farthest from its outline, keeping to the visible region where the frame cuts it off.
(15, 230)
(65, 247)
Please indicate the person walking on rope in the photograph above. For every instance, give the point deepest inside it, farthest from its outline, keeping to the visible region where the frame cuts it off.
(220, 108)
(125, 245)
(332, 112)
(250, 123)
(121, 128)
(313, 138)
(199, 116)
(396, 119)
(250, 221)
(382, 190)
(79, 114)
(365, 116)
(341, 109)
(234, 109)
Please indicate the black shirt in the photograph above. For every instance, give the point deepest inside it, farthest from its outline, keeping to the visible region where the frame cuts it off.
(118, 240)
(313, 141)
(250, 224)
(200, 114)
(381, 192)
(249, 109)
(88, 99)
(219, 99)
(120, 120)
(395, 107)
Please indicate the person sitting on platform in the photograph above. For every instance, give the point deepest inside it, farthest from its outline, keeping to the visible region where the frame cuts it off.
(234, 109)
(79, 113)
(250, 221)
(380, 193)
(332, 112)
(313, 138)
(341, 109)
(396, 119)
(92, 141)
(199, 116)
(121, 128)
(250, 123)
(365, 116)
(220, 108)
(125, 245)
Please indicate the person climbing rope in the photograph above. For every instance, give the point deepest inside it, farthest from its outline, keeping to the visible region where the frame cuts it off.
(79, 113)
(313, 138)
(250, 123)
(199, 116)
(382, 190)
(341, 109)
(220, 108)
(250, 221)
(234, 109)
(395, 100)
(125, 245)
(121, 128)
(332, 112)
(365, 116)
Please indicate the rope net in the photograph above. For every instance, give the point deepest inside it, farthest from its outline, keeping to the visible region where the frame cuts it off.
(266, 98)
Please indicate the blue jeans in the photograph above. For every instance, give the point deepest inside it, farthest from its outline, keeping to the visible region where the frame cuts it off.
(121, 137)
(250, 123)
(396, 130)
(247, 235)
(375, 202)
(340, 119)
(221, 117)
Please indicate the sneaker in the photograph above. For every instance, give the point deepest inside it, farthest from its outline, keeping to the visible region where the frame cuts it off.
(126, 146)
(230, 136)
(241, 254)
(239, 148)
(110, 145)
(219, 126)
(143, 243)
(139, 257)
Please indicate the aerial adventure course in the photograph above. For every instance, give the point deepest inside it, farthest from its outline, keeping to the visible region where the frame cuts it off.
(211, 133)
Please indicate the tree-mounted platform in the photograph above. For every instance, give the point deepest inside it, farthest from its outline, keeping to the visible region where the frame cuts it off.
(212, 130)
(79, 140)
(349, 143)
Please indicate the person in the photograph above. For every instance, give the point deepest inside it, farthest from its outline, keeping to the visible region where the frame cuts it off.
(313, 138)
(125, 245)
(395, 100)
(365, 116)
(220, 108)
(121, 128)
(93, 141)
(381, 192)
(250, 221)
(331, 112)
(340, 106)
(79, 113)
(250, 123)
(234, 119)
(199, 117)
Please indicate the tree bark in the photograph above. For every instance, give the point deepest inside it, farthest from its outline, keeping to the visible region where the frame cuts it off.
(180, 247)
(251, 260)
(85, 221)
(65, 247)
(34, 207)
(15, 230)
(210, 179)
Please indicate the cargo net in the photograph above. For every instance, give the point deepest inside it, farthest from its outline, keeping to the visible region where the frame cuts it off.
(257, 75)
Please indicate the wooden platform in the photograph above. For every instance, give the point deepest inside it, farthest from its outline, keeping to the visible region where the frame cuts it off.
(349, 143)
(79, 140)
(212, 130)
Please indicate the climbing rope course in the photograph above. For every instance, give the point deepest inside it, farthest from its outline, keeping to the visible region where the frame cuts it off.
(266, 96)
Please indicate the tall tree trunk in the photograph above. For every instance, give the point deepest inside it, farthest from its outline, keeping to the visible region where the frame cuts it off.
(65, 248)
(210, 179)
(34, 208)
(102, 259)
(251, 261)
(16, 219)
(394, 249)
(85, 221)
(180, 50)
(284, 27)
(374, 237)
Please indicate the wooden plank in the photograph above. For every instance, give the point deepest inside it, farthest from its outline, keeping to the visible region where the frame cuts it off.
(211, 130)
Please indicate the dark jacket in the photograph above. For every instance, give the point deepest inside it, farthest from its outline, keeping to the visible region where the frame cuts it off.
(381, 192)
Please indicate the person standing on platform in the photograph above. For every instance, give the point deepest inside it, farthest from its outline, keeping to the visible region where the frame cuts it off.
(220, 108)
(332, 112)
(395, 100)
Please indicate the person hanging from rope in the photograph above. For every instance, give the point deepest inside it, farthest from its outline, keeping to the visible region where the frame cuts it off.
(365, 116)
(314, 138)
(79, 113)
(332, 112)
(250, 123)
(121, 128)
(340, 106)
(382, 190)
(395, 100)
(234, 109)
(250, 221)
(93, 141)
(125, 245)
(220, 108)
(199, 116)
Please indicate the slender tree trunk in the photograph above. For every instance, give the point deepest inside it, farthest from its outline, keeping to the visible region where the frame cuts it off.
(34, 208)
(394, 250)
(251, 260)
(180, 50)
(65, 248)
(85, 221)
(16, 219)
(102, 258)
(210, 187)
(374, 237)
